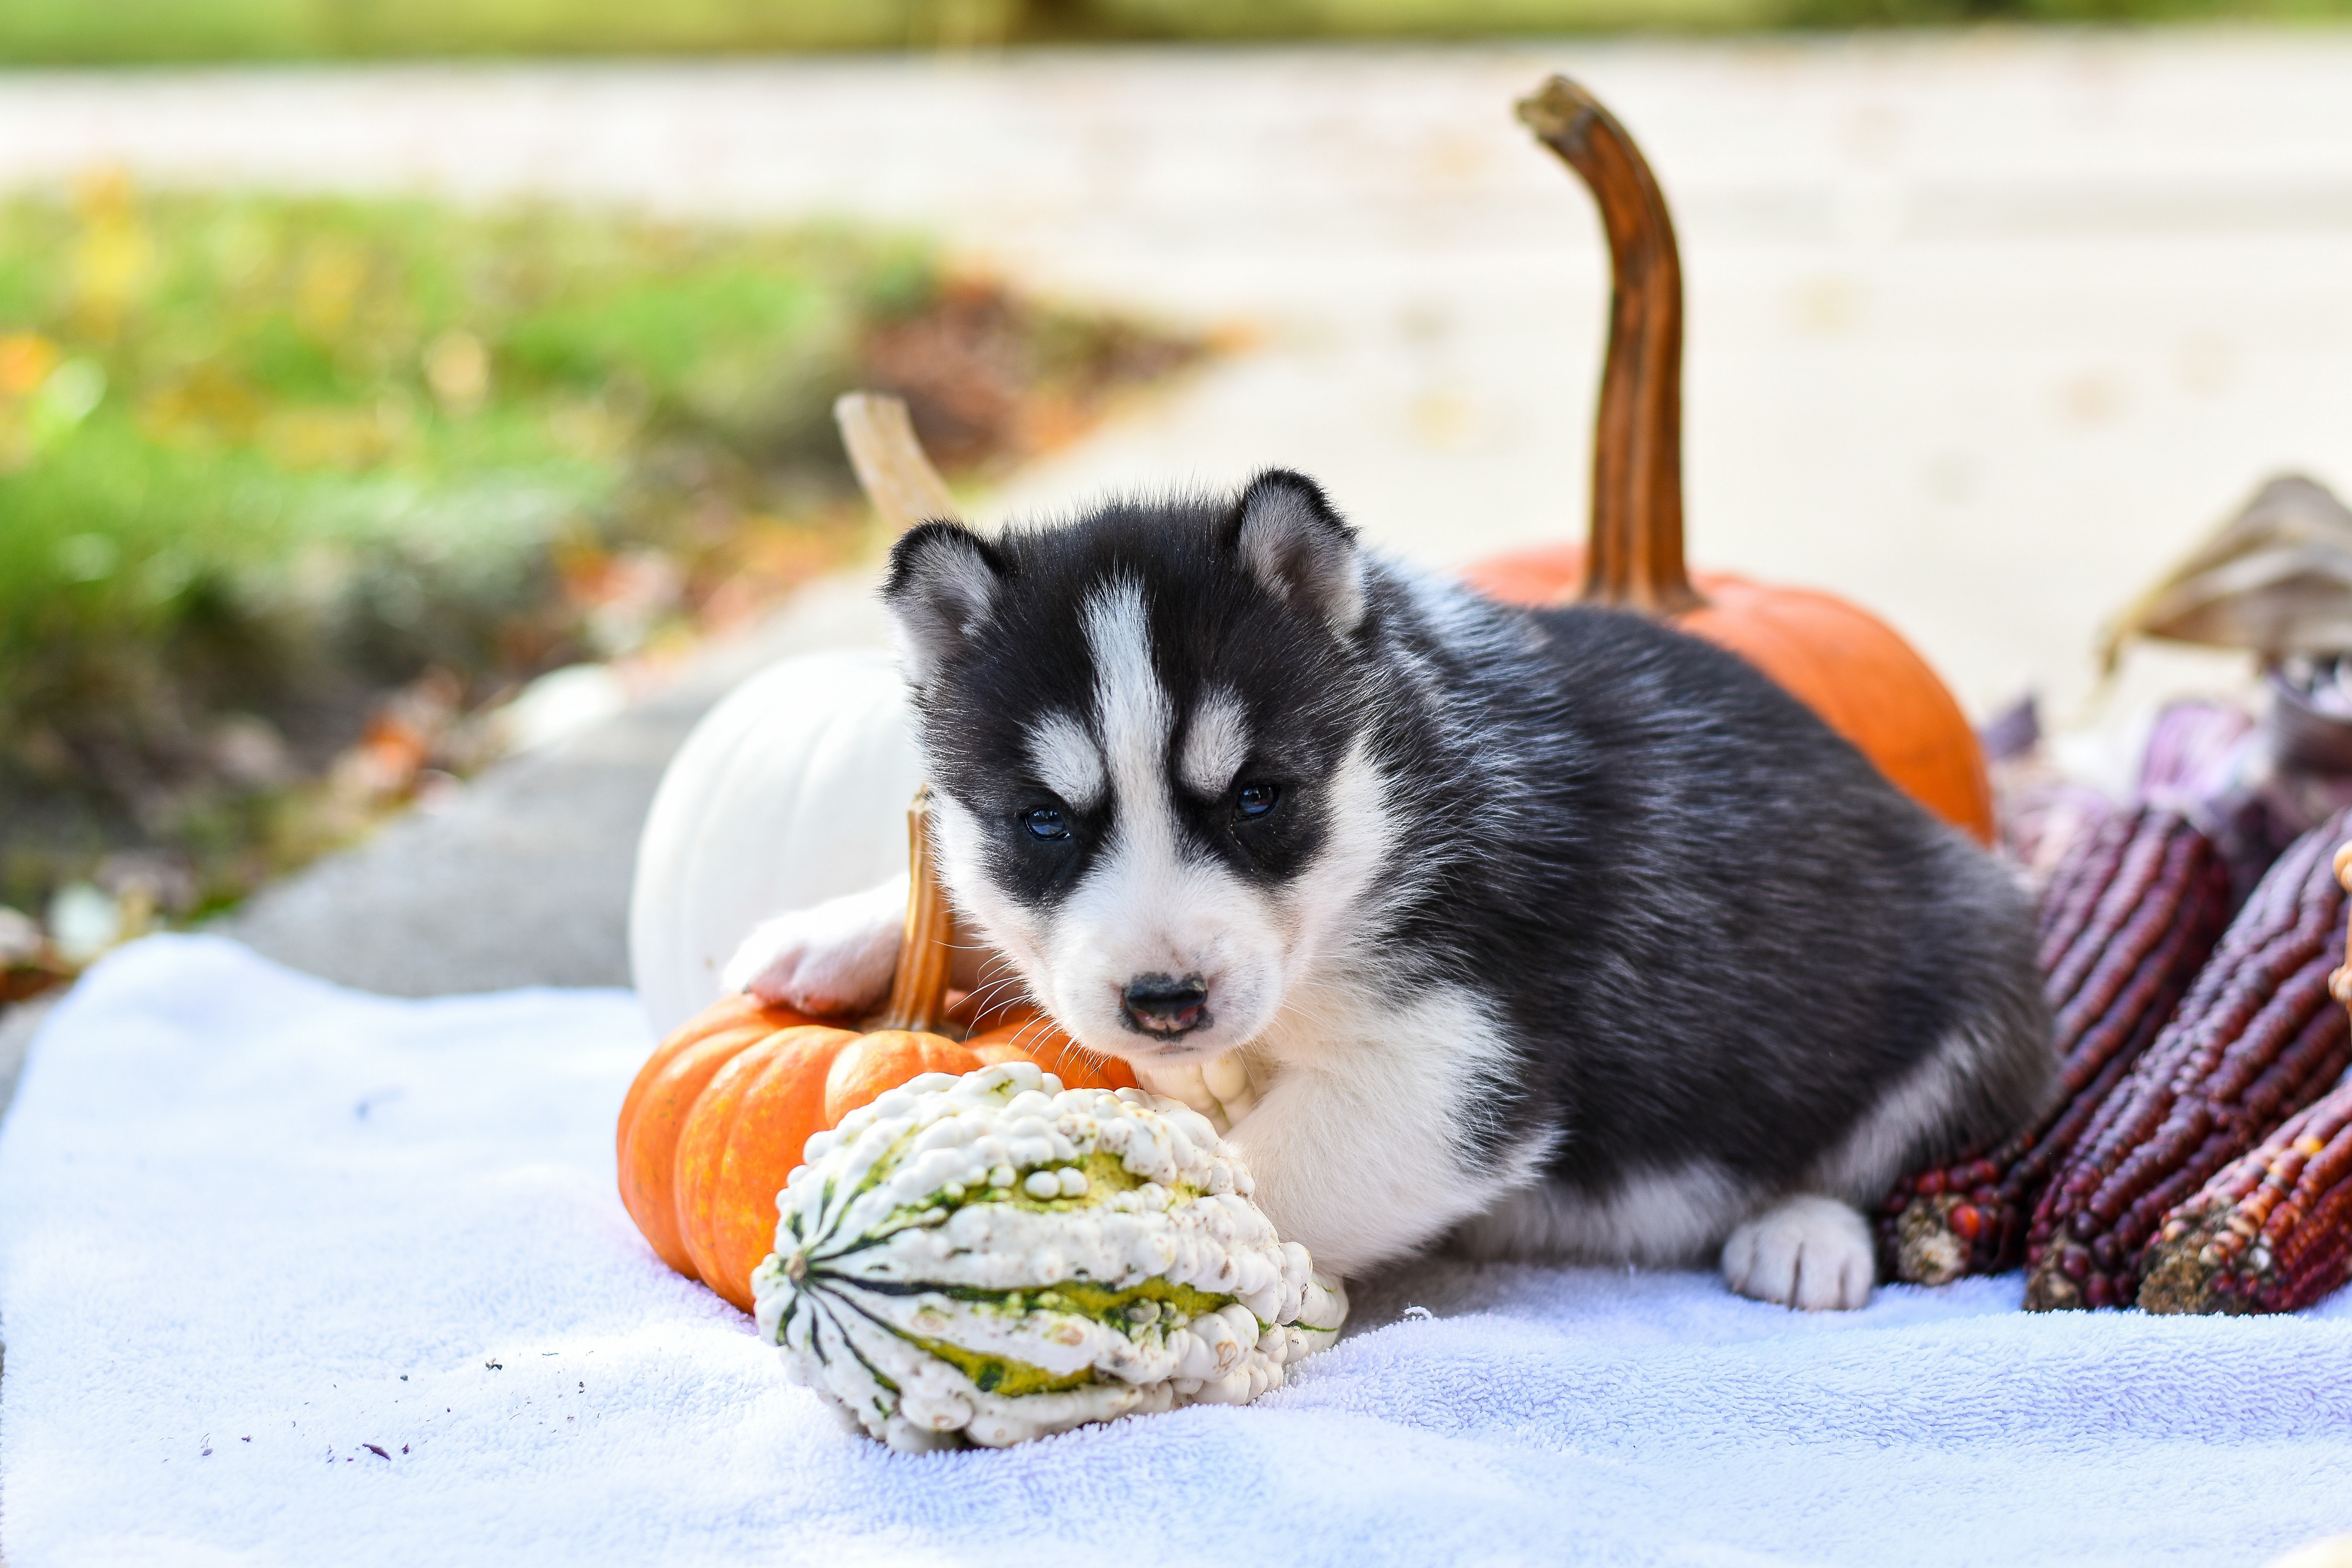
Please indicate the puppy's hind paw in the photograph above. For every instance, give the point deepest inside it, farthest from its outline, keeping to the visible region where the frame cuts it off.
(1810, 1253)
(834, 959)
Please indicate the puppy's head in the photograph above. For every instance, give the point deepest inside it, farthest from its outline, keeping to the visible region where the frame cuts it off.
(1142, 728)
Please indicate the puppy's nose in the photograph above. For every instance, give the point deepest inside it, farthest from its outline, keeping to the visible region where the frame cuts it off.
(1163, 1005)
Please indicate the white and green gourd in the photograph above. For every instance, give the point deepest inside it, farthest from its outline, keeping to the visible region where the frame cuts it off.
(988, 1258)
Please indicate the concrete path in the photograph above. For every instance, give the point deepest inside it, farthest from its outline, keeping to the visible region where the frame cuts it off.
(1984, 328)
(522, 877)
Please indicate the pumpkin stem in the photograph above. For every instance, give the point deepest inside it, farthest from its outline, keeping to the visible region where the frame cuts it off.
(1635, 558)
(892, 469)
(918, 991)
(899, 479)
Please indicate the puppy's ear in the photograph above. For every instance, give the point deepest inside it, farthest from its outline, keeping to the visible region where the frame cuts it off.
(941, 588)
(1291, 540)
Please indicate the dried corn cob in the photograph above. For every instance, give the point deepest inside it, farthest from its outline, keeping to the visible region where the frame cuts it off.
(2130, 914)
(2257, 1038)
(2272, 1232)
(2076, 884)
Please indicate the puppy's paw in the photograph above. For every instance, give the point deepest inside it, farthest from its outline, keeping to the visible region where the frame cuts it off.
(836, 959)
(1810, 1253)
(1222, 1089)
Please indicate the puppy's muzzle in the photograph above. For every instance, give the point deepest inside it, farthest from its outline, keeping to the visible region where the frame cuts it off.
(1163, 1005)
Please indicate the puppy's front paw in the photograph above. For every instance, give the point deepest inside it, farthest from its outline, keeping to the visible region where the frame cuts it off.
(1811, 1253)
(836, 959)
(1222, 1089)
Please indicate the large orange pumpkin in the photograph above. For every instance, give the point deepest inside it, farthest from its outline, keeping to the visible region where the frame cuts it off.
(1843, 663)
(720, 1111)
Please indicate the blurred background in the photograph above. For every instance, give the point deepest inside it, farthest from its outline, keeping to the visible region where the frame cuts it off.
(158, 30)
(387, 391)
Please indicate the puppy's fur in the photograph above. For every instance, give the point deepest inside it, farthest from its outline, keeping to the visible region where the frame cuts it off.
(1560, 933)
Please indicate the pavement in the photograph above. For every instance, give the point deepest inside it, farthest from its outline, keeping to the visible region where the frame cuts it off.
(1985, 328)
(521, 877)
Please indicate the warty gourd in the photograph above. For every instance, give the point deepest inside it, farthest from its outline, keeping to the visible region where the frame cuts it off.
(990, 1258)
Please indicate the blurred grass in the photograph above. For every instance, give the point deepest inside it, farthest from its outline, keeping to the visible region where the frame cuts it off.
(273, 468)
(78, 31)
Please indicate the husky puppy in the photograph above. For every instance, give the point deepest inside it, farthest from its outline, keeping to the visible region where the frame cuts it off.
(1551, 934)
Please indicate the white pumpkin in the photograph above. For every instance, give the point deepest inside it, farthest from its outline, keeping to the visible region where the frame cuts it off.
(791, 790)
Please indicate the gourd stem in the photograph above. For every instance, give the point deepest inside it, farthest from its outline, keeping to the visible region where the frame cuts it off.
(918, 990)
(892, 469)
(1635, 558)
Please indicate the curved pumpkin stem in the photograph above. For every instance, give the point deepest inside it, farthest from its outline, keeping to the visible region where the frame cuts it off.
(892, 468)
(918, 990)
(1635, 560)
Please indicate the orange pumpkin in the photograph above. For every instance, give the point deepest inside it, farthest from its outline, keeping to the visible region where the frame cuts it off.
(1031, 1037)
(720, 1113)
(1847, 666)
(750, 1122)
(654, 1112)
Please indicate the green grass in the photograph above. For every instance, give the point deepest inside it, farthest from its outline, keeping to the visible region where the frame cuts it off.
(284, 413)
(269, 461)
(78, 31)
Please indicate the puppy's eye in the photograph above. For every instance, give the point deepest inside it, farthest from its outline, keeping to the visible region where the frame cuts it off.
(1257, 799)
(1044, 822)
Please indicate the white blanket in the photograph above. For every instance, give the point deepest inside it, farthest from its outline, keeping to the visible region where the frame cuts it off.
(291, 1275)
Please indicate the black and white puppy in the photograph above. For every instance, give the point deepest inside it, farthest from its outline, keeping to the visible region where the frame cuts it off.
(1554, 935)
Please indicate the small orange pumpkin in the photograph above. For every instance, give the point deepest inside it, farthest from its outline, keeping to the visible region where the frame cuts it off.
(655, 1112)
(1846, 665)
(720, 1113)
(1027, 1036)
